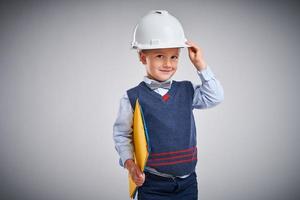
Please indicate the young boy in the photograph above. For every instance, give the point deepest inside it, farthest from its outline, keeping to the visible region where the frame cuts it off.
(168, 110)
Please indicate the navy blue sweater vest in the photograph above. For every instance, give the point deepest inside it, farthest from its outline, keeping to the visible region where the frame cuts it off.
(170, 126)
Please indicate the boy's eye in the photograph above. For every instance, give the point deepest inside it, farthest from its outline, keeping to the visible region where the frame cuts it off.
(159, 56)
(174, 57)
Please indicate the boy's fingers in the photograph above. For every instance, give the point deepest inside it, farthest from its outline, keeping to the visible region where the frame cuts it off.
(139, 182)
(136, 173)
(140, 179)
(192, 45)
(189, 42)
(139, 172)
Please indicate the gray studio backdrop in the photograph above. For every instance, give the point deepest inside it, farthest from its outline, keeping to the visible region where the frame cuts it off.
(64, 66)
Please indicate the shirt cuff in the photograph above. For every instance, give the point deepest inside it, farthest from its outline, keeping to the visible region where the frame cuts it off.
(125, 156)
(205, 74)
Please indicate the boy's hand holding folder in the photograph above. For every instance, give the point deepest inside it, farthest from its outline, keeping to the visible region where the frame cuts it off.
(136, 174)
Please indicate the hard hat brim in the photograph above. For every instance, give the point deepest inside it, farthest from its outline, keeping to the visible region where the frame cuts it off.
(144, 47)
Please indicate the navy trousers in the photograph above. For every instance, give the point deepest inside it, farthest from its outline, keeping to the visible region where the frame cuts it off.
(161, 188)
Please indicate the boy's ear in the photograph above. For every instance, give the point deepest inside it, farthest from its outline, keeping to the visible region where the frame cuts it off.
(142, 57)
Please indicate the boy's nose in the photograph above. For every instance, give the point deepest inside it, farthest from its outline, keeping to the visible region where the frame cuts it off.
(167, 63)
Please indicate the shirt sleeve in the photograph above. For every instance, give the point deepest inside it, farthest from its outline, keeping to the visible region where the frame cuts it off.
(208, 94)
(122, 131)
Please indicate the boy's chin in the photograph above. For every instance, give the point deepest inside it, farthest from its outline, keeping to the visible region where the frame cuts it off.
(162, 79)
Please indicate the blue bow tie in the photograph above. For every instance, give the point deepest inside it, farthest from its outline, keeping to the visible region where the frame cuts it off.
(155, 85)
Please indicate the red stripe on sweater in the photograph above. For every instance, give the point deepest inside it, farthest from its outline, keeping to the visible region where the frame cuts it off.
(172, 152)
(172, 163)
(173, 157)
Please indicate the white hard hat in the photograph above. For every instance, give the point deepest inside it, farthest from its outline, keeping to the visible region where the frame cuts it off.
(158, 29)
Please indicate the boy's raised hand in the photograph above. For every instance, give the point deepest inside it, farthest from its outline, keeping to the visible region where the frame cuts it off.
(136, 174)
(196, 55)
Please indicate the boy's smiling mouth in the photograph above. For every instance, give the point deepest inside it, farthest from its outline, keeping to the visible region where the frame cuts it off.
(165, 70)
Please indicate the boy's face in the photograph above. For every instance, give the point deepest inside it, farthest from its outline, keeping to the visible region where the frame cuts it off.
(161, 64)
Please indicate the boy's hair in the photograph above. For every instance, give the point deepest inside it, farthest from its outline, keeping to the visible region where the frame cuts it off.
(143, 50)
(139, 51)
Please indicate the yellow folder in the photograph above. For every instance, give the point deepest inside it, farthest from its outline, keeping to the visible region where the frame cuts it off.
(139, 138)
